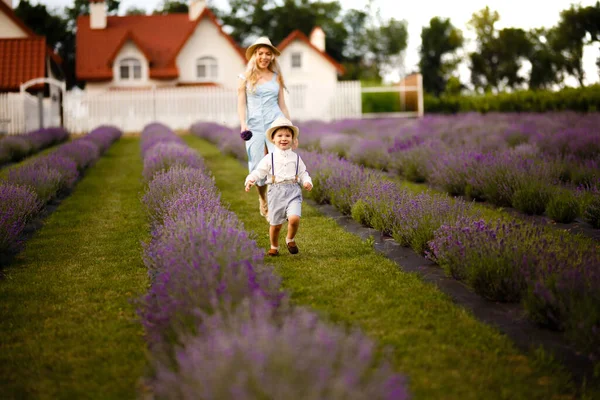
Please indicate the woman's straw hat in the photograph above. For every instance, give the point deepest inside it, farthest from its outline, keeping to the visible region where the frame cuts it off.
(280, 123)
(261, 41)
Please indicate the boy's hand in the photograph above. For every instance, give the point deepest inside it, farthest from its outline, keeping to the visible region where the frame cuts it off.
(308, 186)
(249, 185)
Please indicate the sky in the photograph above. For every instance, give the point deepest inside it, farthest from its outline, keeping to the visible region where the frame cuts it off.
(526, 14)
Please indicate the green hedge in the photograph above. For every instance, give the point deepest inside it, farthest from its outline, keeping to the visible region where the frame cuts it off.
(380, 102)
(586, 99)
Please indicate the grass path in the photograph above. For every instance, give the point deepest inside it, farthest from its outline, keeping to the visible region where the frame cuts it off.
(446, 353)
(67, 325)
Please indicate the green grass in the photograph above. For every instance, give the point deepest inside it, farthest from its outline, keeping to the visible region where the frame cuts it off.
(443, 349)
(68, 328)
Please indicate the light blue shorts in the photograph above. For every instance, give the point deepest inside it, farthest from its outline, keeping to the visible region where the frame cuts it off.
(284, 200)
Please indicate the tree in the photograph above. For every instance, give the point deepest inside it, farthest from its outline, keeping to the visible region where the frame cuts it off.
(133, 10)
(356, 39)
(439, 42)
(500, 54)
(578, 26)
(41, 21)
(546, 68)
(172, 7)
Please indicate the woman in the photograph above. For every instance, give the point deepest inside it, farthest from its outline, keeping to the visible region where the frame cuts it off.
(260, 102)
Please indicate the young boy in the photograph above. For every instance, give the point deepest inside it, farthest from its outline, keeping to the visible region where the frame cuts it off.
(285, 172)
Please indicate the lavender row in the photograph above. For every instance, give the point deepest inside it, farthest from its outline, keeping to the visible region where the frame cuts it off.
(555, 276)
(217, 321)
(538, 164)
(27, 188)
(15, 148)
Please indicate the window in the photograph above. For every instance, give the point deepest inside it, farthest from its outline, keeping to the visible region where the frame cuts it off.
(130, 69)
(207, 68)
(296, 60)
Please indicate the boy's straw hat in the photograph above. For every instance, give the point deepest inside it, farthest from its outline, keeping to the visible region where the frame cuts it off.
(261, 41)
(280, 123)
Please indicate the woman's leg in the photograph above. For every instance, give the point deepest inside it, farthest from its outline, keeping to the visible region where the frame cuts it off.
(262, 200)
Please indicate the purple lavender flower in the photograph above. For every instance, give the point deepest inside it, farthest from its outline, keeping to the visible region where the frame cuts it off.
(254, 353)
(246, 135)
(18, 204)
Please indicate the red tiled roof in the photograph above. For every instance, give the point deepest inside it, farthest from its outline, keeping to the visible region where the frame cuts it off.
(159, 37)
(21, 59)
(298, 35)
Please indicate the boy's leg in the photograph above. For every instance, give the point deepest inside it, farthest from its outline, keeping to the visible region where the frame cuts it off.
(274, 239)
(293, 224)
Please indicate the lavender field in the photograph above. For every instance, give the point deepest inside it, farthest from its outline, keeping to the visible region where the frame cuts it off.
(535, 163)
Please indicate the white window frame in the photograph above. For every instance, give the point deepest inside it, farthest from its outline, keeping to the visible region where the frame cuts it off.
(296, 60)
(133, 65)
(211, 68)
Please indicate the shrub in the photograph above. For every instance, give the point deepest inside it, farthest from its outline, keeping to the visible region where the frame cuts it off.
(18, 204)
(592, 212)
(485, 255)
(253, 354)
(45, 181)
(532, 198)
(162, 156)
(563, 207)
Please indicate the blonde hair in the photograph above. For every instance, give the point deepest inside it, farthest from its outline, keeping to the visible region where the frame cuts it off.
(251, 75)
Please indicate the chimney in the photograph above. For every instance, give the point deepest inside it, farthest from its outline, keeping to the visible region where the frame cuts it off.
(97, 14)
(9, 3)
(195, 9)
(317, 38)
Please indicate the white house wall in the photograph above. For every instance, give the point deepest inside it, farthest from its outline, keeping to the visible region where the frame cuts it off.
(8, 29)
(317, 76)
(207, 41)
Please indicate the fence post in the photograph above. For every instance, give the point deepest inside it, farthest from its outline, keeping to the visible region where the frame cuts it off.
(420, 110)
(40, 96)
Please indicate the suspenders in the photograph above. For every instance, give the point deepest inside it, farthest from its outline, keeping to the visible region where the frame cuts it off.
(273, 168)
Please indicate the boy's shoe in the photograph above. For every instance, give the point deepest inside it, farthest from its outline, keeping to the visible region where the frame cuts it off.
(273, 252)
(292, 247)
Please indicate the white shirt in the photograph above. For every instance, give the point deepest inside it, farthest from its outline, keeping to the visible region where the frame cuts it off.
(285, 168)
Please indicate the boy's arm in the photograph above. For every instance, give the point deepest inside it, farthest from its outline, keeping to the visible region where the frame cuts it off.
(303, 175)
(260, 172)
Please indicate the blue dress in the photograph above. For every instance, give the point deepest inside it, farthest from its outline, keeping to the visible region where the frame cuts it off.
(262, 108)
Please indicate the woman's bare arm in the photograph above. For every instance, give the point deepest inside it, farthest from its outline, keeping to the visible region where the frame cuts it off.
(241, 109)
(282, 105)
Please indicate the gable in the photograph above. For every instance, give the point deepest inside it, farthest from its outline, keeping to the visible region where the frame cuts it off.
(298, 37)
(10, 25)
(208, 40)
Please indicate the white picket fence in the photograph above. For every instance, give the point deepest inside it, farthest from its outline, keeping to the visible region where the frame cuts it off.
(179, 108)
(19, 113)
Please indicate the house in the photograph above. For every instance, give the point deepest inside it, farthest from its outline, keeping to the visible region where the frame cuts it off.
(25, 56)
(166, 51)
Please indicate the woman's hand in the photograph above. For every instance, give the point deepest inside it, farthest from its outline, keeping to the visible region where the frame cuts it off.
(243, 128)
